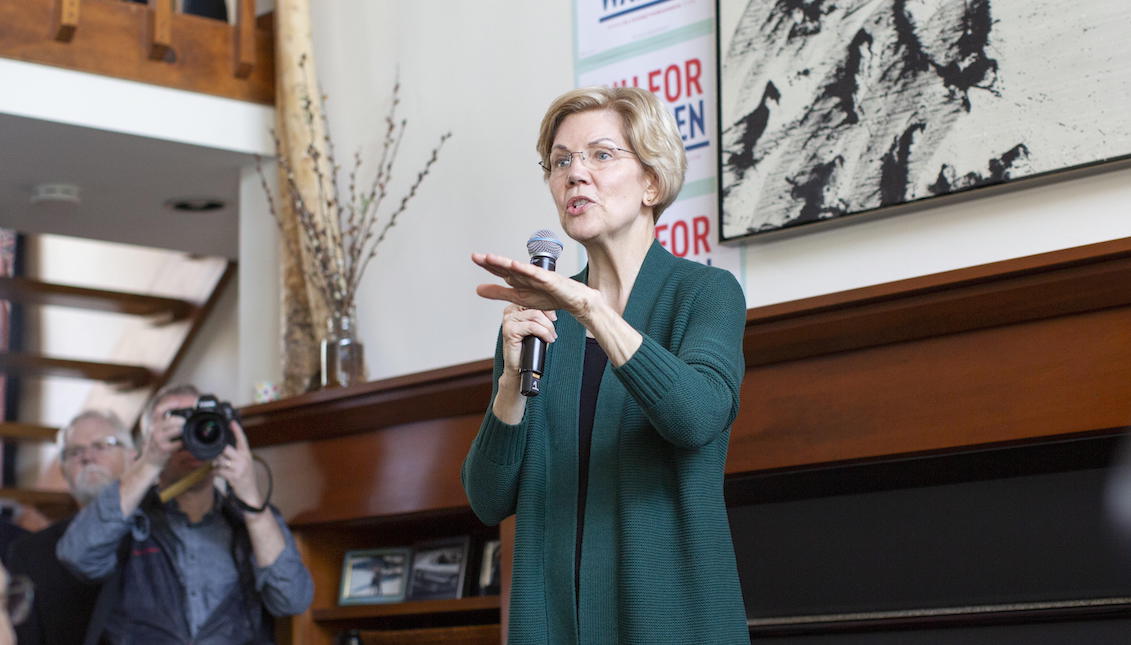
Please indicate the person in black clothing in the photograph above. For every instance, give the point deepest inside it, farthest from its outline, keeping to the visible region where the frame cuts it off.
(95, 449)
(9, 533)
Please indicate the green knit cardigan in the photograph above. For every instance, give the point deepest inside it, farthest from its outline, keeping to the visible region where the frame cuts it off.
(657, 562)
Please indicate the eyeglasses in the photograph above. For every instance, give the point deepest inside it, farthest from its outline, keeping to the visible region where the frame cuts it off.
(18, 598)
(96, 447)
(594, 158)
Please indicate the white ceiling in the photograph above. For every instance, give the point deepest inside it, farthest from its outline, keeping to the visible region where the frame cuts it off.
(125, 181)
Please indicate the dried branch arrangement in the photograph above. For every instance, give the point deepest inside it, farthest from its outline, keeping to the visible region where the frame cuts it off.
(340, 236)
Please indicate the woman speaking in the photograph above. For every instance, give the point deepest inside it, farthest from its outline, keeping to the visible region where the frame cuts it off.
(614, 471)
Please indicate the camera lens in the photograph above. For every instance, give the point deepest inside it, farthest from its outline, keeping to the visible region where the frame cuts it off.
(208, 432)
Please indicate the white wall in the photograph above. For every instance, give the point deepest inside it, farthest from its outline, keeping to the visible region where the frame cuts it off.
(486, 71)
(986, 229)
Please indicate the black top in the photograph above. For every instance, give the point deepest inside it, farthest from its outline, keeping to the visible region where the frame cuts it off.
(63, 603)
(8, 533)
(595, 360)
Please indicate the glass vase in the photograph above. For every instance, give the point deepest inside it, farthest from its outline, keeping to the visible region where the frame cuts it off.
(343, 358)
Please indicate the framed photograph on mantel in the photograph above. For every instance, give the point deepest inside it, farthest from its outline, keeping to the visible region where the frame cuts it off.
(438, 569)
(828, 110)
(374, 576)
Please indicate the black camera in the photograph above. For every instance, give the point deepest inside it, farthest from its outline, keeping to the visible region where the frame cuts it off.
(207, 428)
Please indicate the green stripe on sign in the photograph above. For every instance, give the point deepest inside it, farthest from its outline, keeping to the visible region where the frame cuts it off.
(701, 28)
(698, 188)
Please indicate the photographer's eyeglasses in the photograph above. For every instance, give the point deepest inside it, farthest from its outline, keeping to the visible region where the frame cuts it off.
(18, 598)
(594, 158)
(96, 447)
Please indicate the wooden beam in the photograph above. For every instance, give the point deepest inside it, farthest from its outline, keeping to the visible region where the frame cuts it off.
(160, 29)
(114, 42)
(33, 292)
(26, 432)
(244, 31)
(124, 376)
(66, 19)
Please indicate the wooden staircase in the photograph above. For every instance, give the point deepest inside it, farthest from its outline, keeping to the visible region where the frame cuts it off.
(153, 340)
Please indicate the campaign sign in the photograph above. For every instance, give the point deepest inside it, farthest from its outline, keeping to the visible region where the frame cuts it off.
(683, 76)
(608, 24)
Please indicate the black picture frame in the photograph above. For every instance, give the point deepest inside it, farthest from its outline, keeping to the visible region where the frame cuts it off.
(374, 576)
(835, 110)
(438, 569)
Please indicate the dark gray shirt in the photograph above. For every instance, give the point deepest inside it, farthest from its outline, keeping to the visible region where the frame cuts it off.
(204, 560)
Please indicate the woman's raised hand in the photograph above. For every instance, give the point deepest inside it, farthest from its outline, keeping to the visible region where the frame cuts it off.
(532, 286)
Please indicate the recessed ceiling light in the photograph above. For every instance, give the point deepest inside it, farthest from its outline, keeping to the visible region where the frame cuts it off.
(68, 193)
(195, 204)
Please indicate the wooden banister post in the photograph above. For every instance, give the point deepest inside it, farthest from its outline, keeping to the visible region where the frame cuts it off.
(245, 38)
(160, 28)
(66, 19)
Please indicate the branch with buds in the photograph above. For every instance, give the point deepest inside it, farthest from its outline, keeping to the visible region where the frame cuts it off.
(339, 233)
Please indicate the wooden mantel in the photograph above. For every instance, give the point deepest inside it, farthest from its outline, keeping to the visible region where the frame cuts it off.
(1029, 351)
(1022, 350)
(150, 44)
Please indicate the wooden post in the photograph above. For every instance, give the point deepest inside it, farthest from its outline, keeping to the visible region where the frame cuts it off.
(244, 30)
(66, 19)
(304, 308)
(160, 28)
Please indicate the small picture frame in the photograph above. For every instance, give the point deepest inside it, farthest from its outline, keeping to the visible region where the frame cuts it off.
(373, 576)
(488, 583)
(438, 569)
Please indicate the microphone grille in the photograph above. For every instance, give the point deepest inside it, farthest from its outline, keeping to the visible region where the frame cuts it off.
(544, 243)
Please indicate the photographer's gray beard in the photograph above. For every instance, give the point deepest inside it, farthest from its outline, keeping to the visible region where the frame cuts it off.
(90, 481)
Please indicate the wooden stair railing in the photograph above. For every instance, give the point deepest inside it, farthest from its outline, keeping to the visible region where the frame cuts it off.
(245, 38)
(150, 43)
(160, 25)
(67, 19)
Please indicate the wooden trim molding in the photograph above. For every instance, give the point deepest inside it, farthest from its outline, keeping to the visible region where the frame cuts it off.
(1035, 287)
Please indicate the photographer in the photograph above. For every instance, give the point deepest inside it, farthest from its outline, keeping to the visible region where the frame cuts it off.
(202, 567)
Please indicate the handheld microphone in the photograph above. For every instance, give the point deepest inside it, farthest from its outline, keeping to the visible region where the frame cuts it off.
(544, 250)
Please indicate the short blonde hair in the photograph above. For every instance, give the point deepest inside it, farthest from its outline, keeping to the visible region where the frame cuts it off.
(649, 127)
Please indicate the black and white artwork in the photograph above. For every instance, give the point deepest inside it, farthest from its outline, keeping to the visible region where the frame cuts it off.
(830, 108)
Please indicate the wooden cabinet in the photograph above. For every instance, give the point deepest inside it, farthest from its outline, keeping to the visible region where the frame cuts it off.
(1024, 351)
(372, 466)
